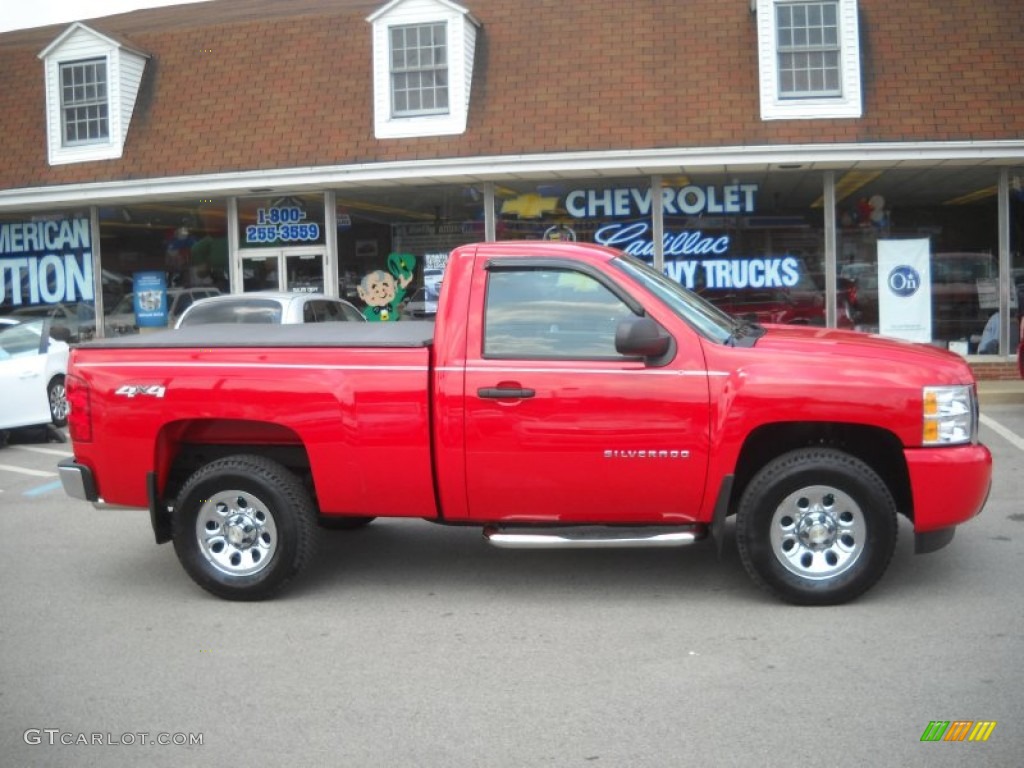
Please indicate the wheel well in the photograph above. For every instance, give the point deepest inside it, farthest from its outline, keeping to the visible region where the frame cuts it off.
(193, 444)
(878, 448)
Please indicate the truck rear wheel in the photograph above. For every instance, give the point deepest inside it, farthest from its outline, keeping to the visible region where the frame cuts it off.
(816, 526)
(243, 527)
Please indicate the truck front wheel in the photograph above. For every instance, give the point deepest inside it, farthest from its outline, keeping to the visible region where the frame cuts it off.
(243, 527)
(816, 526)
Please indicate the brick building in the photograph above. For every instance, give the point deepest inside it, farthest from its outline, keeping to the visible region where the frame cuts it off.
(796, 149)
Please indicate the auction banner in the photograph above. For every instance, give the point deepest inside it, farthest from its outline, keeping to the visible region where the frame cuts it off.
(905, 289)
(45, 262)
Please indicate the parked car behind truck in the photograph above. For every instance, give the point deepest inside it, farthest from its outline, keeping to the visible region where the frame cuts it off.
(269, 307)
(566, 395)
(33, 363)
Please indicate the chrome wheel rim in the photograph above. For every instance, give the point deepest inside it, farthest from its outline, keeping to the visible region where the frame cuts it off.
(236, 533)
(818, 532)
(58, 402)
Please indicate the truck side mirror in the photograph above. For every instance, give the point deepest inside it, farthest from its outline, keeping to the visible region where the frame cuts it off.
(641, 337)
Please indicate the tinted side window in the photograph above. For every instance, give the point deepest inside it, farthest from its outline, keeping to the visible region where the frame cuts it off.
(556, 313)
(242, 311)
(184, 302)
(19, 341)
(333, 312)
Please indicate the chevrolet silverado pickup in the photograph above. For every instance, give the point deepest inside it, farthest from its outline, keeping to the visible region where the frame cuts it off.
(566, 395)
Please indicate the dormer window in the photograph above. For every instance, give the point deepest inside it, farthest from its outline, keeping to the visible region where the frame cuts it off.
(85, 113)
(419, 70)
(423, 54)
(809, 59)
(91, 82)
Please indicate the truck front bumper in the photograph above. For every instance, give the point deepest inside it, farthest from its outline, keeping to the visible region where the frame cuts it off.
(949, 486)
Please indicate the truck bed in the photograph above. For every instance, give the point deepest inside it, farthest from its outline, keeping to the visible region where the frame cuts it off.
(352, 396)
(228, 335)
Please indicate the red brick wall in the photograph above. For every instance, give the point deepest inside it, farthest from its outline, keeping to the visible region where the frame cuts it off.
(996, 371)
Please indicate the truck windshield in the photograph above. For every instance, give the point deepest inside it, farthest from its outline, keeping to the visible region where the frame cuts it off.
(705, 317)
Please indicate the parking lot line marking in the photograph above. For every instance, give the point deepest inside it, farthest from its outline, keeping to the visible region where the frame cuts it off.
(40, 489)
(1010, 436)
(37, 449)
(26, 471)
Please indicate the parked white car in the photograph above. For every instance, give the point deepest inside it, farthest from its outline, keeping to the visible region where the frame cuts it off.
(32, 370)
(270, 308)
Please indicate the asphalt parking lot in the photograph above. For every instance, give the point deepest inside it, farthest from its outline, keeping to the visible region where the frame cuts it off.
(413, 644)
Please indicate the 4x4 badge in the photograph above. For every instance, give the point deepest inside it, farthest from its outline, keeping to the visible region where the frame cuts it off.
(131, 390)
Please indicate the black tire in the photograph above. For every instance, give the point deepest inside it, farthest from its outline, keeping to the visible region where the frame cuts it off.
(58, 400)
(338, 523)
(243, 526)
(816, 526)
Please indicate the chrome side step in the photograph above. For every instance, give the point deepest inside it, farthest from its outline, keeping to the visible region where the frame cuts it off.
(592, 536)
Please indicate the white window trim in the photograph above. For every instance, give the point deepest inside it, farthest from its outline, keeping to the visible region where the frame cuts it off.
(848, 104)
(461, 30)
(89, 45)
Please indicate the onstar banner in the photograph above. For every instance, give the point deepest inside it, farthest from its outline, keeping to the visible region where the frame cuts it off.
(905, 289)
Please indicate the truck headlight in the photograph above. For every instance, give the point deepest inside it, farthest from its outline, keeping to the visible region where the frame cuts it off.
(950, 415)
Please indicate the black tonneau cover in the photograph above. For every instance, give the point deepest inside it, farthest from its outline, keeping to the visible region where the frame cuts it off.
(217, 335)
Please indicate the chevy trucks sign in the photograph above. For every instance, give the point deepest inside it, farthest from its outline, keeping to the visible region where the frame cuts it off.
(692, 256)
(45, 262)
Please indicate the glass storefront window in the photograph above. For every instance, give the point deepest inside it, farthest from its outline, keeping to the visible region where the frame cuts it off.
(753, 244)
(158, 258)
(921, 246)
(1016, 330)
(393, 245)
(616, 212)
(281, 221)
(282, 242)
(734, 239)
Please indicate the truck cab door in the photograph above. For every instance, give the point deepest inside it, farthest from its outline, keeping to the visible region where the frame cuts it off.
(562, 428)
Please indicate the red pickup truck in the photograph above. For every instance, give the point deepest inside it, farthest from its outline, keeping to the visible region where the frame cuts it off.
(566, 395)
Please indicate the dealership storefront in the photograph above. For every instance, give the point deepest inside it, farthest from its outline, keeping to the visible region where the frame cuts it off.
(927, 252)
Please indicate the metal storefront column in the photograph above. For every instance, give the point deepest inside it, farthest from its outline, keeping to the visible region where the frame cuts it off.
(831, 248)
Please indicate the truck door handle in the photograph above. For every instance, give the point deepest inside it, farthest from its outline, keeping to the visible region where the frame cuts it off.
(505, 393)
